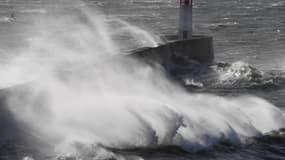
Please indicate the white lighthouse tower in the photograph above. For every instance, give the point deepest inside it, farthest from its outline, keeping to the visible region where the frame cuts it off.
(185, 20)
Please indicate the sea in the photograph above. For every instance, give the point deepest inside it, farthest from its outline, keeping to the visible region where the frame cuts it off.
(71, 92)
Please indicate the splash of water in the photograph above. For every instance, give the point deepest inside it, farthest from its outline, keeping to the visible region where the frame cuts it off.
(78, 94)
(140, 38)
(239, 72)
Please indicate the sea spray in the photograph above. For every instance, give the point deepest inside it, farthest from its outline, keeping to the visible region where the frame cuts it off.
(133, 35)
(78, 94)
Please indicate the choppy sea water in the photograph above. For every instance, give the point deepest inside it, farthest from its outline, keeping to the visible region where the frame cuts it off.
(249, 36)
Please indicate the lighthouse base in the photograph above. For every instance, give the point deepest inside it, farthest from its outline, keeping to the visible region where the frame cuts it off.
(179, 53)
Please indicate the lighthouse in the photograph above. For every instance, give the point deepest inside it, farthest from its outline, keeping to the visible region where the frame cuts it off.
(185, 19)
(182, 47)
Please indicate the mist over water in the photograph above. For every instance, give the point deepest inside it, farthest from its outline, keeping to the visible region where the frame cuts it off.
(82, 91)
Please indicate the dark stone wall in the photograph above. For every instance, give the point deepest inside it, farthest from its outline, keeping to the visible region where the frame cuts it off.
(198, 48)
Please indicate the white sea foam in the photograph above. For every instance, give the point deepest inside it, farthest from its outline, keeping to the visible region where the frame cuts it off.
(28, 158)
(237, 71)
(33, 11)
(5, 19)
(78, 95)
(277, 4)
